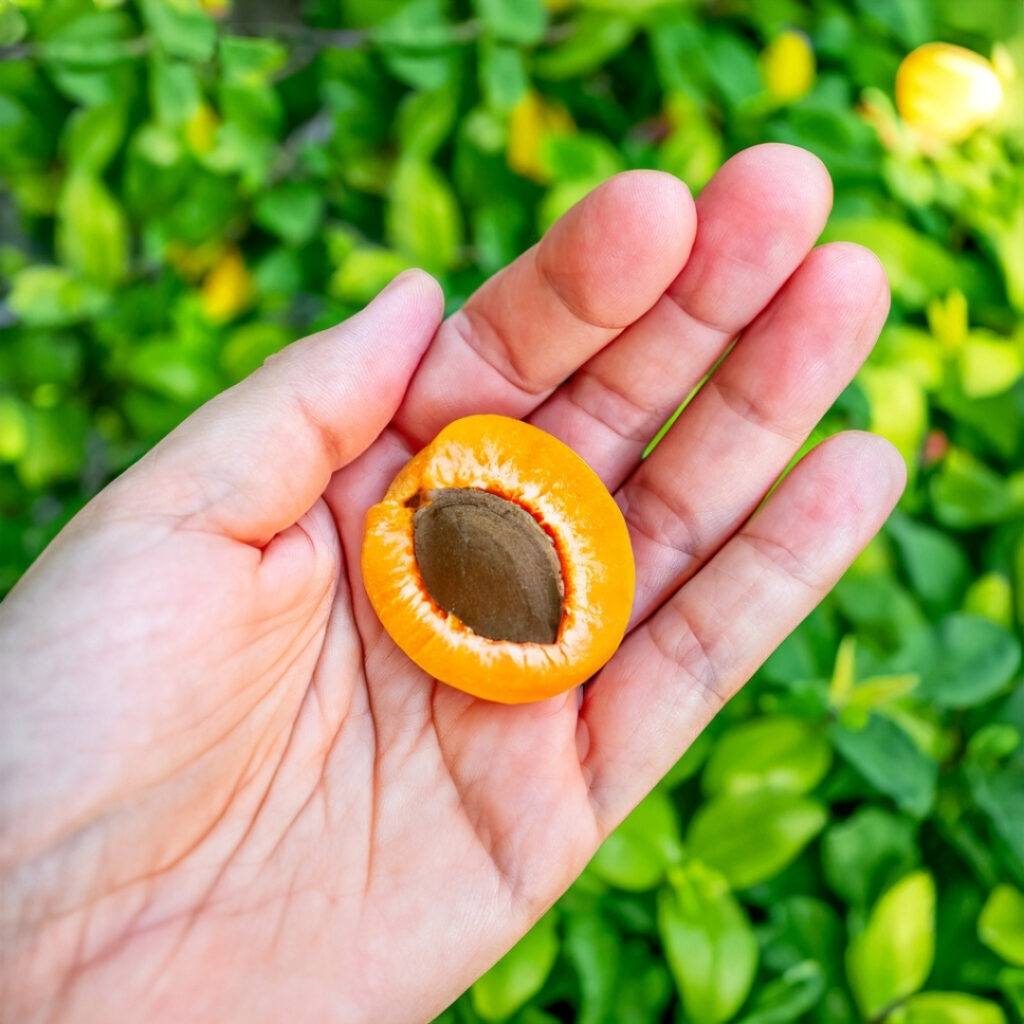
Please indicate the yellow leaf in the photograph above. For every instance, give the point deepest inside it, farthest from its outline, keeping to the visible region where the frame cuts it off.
(193, 261)
(946, 92)
(201, 129)
(788, 66)
(227, 289)
(533, 120)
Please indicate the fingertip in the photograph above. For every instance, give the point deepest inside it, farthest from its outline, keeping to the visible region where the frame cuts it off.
(865, 465)
(654, 207)
(789, 180)
(416, 290)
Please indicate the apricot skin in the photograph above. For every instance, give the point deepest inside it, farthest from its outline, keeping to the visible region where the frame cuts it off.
(523, 464)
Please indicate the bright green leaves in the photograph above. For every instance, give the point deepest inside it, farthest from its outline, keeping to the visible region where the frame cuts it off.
(423, 217)
(774, 752)
(975, 659)
(1001, 924)
(639, 852)
(53, 297)
(292, 210)
(752, 836)
(513, 21)
(94, 135)
(92, 230)
(968, 493)
(864, 854)
(519, 974)
(947, 1008)
(891, 761)
(708, 942)
(13, 26)
(892, 957)
(181, 28)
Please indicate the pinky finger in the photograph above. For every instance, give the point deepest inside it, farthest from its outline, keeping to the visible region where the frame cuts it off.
(678, 667)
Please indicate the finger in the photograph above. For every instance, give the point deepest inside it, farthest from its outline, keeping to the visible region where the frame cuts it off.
(675, 671)
(756, 221)
(745, 425)
(249, 463)
(604, 264)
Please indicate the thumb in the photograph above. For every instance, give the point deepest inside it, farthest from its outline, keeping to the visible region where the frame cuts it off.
(253, 460)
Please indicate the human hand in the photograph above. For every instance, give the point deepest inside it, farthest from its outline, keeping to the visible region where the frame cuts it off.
(226, 794)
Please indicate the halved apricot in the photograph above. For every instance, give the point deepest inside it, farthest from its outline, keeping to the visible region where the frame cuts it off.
(499, 562)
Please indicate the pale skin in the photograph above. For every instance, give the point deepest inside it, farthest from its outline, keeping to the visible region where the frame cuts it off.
(226, 795)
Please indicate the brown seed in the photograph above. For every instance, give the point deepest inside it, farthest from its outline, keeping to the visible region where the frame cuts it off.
(488, 561)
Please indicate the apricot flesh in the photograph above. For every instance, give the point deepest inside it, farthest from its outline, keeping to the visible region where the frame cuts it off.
(499, 563)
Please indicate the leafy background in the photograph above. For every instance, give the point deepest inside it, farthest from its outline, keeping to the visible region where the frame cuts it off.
(185, 187)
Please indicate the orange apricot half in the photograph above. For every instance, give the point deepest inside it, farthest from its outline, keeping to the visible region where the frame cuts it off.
(499, 562)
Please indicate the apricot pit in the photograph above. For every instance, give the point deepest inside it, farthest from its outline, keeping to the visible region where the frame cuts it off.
(499, 562)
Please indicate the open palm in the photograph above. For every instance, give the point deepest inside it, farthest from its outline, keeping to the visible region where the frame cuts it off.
(226, 794)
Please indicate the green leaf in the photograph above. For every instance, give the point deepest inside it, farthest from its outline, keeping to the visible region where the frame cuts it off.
(174, 88)
(168, 369)
(416, 25)
(13, 26)
(1011, 981)
(92, 230)
(899, 408)
(989, 365)
(753, 836)
(991, 597)
(1001, 924)
(250, 62)
(94, 135)
(644, 986)
(13, 428)
(181, 27)
(248, 346)
(774, 752)
(423, 218)
(595, 38)
(364, 273)
(975, 660)
(890, 760)
(52, 297)
(519, 974)
(425, 120)
(291, 210)
(513, 21)
(802, 928)
(967, 493)
(937, 567)
(947, 1008)
(786, 999)
(863, 854)
(708, 942)
(1001, 796)
(56, 445)
(892, 957)
(88, 58)
(580, 157)
(503, 77)
(639, 852)
(592, 946)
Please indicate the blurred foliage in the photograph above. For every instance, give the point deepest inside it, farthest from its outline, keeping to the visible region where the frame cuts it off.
(187, 187)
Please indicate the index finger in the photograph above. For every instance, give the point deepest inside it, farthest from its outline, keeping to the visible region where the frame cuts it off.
(597, 270)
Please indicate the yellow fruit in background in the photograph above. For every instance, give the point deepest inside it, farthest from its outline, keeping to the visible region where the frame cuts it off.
(788, 66)
(227, 289)
(945, 92)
